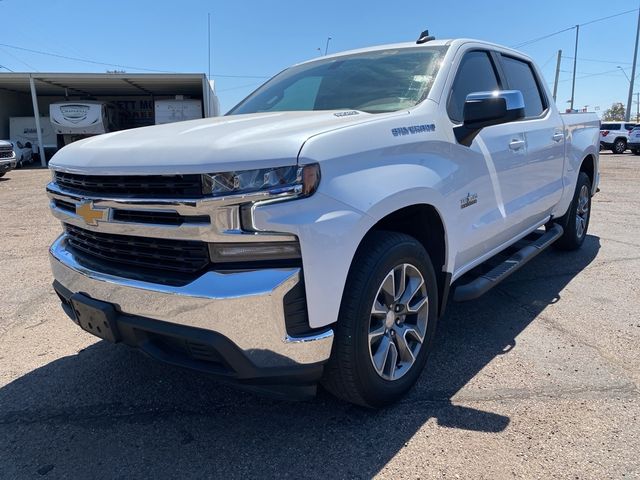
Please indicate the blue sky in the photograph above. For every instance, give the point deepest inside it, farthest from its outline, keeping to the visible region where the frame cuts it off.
(254, 38)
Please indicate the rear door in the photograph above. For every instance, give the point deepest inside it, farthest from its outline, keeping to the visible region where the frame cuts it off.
(531, 184)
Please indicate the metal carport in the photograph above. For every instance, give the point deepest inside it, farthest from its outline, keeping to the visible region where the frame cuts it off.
(24, 93)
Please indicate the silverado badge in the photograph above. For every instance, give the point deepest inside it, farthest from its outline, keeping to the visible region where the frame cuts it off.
(90, 214)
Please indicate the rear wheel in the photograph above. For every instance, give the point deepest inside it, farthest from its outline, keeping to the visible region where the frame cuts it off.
(576, 221)
(387, 321)
(619, 146)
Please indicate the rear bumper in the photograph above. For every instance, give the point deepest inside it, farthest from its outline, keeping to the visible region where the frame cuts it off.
(228, 324)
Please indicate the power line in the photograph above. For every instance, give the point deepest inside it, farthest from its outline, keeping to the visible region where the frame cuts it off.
(129, 67)
(254, 84)
(6, 68)
(19, 60)
(544, 37)
(84, 60)
(529, 42)
(598, 61)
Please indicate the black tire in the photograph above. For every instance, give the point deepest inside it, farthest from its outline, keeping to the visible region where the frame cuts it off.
(2, 174)
(571, 239)
(619, 146)
(350, 373)
(635, 152)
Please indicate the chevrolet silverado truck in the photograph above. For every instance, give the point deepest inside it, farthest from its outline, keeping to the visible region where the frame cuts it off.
(314, 234)
(7, 157)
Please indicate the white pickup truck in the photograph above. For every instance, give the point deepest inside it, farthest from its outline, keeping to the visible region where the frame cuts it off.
(314, 233)
(8, 159)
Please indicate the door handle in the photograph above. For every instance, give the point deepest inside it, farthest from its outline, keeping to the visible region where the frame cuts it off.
(558, 137)
(516, 144)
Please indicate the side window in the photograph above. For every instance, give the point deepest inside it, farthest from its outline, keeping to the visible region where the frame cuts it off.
(476, 73)
(520, 76)
(629, 126)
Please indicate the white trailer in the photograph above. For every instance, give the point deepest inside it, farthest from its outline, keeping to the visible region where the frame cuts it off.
(177, 110)
(80, 119)
(23, 129)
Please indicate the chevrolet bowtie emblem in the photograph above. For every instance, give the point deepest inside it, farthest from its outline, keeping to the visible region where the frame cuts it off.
(91, 215)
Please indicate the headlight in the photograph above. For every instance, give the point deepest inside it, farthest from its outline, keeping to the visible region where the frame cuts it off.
(280, 181)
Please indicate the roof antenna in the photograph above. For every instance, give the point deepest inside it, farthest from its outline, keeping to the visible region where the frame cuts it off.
(425, 37)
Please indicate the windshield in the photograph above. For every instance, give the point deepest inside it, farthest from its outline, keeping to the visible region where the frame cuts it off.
(374, 82)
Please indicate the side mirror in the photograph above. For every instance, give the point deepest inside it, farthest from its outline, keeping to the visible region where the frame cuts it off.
(19, 144)
(484, 109)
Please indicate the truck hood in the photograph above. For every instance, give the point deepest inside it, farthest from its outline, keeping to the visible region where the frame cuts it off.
(207, 145)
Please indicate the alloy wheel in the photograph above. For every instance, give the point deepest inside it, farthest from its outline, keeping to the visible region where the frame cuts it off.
(582, 212)
(398, 321)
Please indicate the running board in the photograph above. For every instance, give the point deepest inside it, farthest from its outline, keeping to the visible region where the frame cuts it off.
(487, 281)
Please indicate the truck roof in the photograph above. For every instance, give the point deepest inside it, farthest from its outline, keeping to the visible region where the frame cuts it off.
(433, 43)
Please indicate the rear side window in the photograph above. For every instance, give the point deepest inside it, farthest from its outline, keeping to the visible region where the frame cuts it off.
(475, 74)
(520, 76)
(611, 126)
(629, 126)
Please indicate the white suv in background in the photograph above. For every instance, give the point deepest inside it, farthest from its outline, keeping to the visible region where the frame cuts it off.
(634, 140)
(614, 136)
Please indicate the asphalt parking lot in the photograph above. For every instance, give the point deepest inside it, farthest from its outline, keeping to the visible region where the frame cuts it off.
(538, 379)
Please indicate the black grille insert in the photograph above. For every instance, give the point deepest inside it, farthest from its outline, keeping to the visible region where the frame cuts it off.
(165, 186)
(143, 256)
(158, 218)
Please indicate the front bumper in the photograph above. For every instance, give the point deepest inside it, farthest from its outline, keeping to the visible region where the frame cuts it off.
(237, 317)
(7, 164)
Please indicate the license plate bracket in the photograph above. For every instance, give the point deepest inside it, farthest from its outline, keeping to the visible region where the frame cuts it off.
(96, 317)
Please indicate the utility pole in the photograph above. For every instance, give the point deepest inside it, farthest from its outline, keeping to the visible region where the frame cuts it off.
(633, 72)
(209, 41)
(575, 63)
(638, 107)
(555, 83)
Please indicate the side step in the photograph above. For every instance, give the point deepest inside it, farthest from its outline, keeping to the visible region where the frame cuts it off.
(487, 281)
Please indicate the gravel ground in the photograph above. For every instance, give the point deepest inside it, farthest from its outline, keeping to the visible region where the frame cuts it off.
(538, 379)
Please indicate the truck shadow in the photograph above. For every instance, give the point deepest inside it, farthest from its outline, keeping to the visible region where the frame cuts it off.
(113, 411)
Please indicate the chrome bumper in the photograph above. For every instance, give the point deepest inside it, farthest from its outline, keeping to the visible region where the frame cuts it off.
(245, 307)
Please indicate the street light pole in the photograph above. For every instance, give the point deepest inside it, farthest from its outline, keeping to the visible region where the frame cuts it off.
(633, 71)
(326, 47)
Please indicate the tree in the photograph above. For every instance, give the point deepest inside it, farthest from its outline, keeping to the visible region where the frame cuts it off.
(616, 112)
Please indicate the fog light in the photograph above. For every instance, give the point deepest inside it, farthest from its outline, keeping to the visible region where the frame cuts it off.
(253, 251)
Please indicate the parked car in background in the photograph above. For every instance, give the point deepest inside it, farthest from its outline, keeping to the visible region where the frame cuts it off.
(24, 152)
(7, 157)
(614, 136)
(634, 140)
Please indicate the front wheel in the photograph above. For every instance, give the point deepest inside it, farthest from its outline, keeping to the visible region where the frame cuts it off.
(387, 321)
(619, 146)
(576, 221)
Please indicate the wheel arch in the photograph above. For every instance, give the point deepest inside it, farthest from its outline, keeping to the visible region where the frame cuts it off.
(424, 223)
(588, 166)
